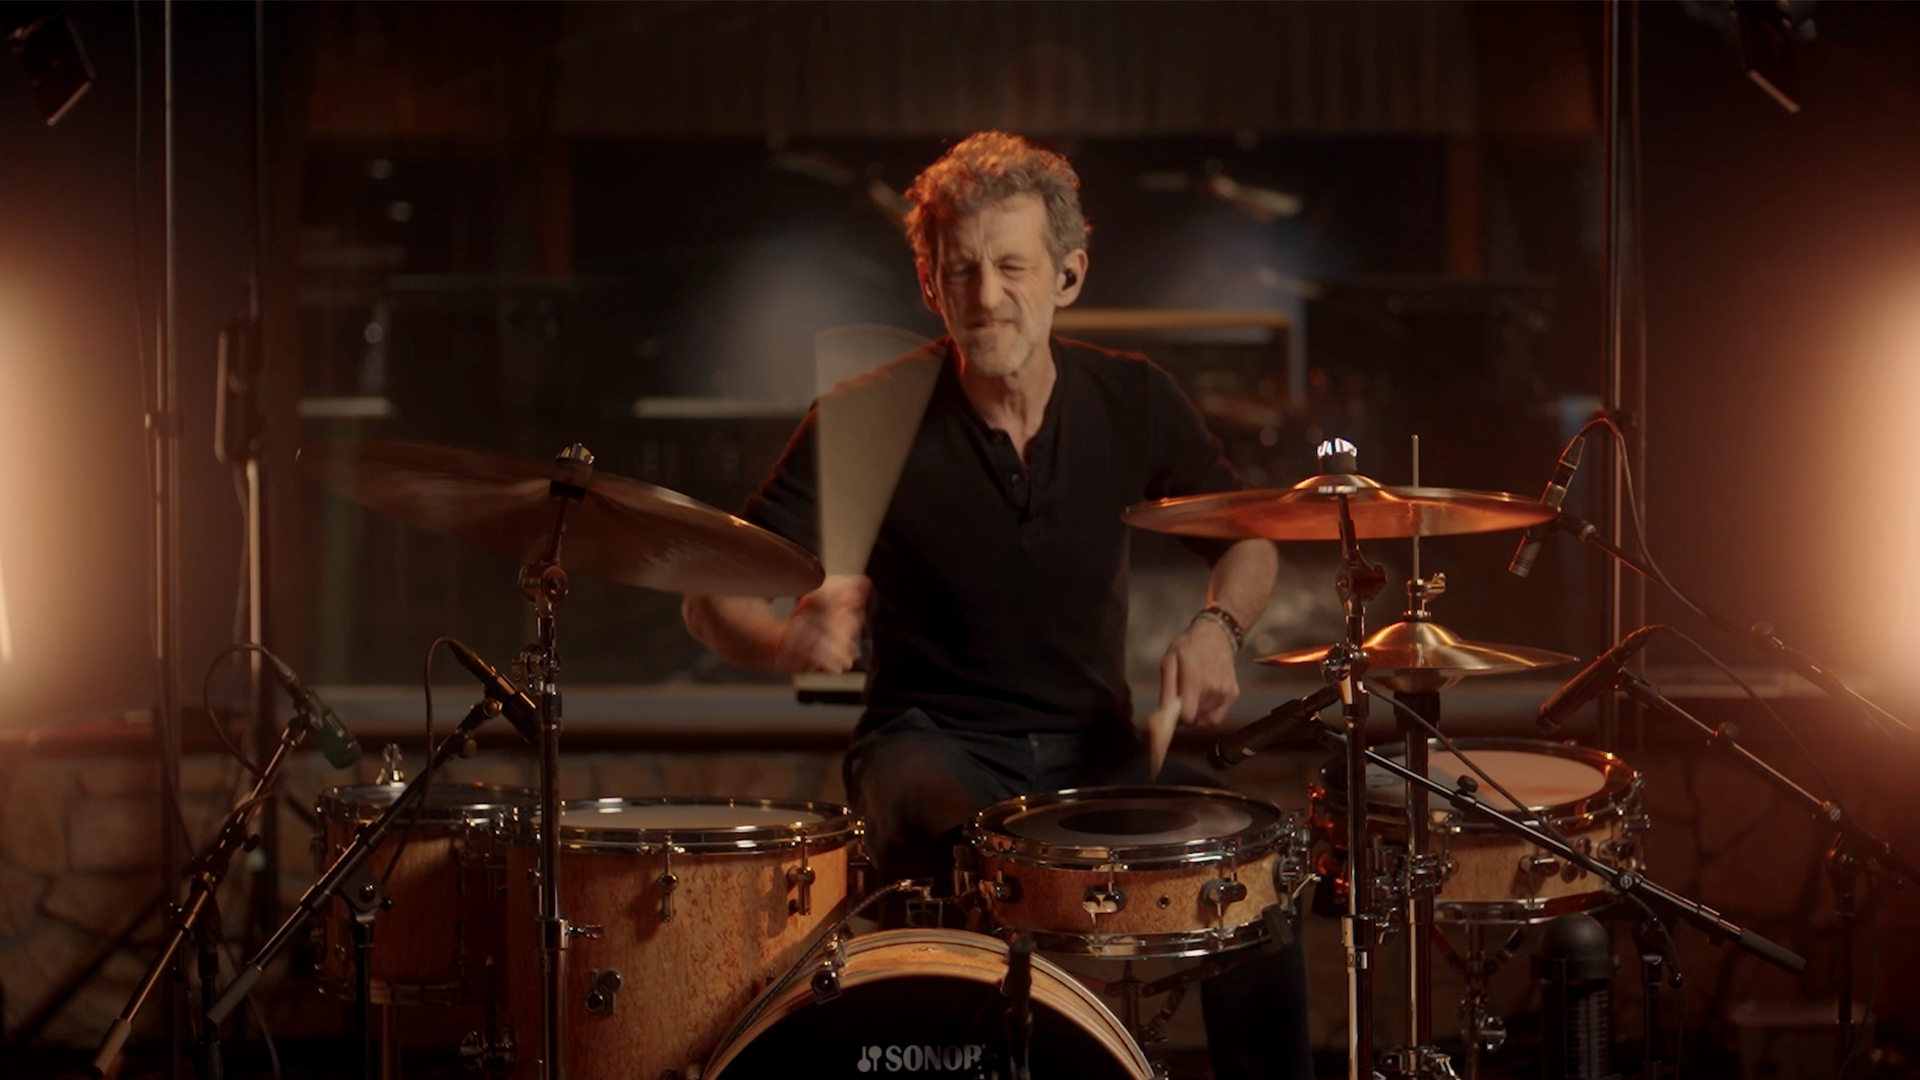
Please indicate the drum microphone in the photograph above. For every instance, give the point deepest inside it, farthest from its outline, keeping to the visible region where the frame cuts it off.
(1556, 493)
(329, 734)
(515, 705)
(1249, 739)
(1595, 679)
(1575, 964)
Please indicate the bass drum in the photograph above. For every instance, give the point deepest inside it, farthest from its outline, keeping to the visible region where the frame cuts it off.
(919, 1001)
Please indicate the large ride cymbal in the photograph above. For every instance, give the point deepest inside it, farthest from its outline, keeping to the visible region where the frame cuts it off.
(1419, 654)
(618, 529)
(1310, 510)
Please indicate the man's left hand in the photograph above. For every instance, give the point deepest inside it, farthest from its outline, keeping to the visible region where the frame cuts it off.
(1198, 669)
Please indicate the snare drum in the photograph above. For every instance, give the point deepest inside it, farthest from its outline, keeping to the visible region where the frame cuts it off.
(1590, 796)
(448, 891)
(684, 910)
(1137, 871)
(926, 1001)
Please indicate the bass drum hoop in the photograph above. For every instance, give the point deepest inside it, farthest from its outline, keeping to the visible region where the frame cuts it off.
(832, 826)
(1050, 981)
(988, 835)
(1619, 789)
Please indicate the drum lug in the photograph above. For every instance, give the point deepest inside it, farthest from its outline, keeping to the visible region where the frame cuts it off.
(602, 988)
(1001, 889)
(1108, 901)
(1539, 866)
(1222, 893)
(496, 877)
(802, 877)
(667, 881)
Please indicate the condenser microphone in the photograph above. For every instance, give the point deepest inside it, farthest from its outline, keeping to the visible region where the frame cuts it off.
(1595, 679)
(1556, 493)
(336, 743)
(515, 705)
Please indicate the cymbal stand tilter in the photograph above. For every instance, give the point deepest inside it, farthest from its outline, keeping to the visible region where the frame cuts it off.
(1357, 582)
(544, 583)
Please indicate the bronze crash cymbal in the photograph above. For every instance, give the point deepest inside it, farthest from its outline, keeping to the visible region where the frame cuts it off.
(1310, 510)
(1419, 654)
(619, 529)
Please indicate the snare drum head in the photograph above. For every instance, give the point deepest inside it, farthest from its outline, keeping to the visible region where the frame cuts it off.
(1544, 775)
(1127, 823)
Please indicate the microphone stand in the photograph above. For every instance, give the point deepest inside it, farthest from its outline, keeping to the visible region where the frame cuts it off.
(208, 870)
(314, 900)
(1760, 635)
(1624, 882)
(1847, 856)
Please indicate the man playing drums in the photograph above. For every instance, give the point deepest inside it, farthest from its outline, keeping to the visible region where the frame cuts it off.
(996, 592)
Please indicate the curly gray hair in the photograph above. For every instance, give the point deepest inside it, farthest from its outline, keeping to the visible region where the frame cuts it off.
(985, 168)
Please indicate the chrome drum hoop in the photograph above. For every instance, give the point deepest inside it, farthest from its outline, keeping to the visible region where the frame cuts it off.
(1171, 946)
(987, 833)
(447, 804)
(819, 826)
(1519, 912)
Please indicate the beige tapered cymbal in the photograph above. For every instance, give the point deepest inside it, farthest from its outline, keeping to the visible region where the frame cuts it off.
(1310, 510)
(618, 529)
(1422, 654)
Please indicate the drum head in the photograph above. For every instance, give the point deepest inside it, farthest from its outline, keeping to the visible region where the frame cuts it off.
(1119, 821)
(1545, 776)
(1134, 826)
(444, 801)
(701, 824)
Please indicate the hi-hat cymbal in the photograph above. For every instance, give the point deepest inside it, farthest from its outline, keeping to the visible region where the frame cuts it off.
(619, 529)
(1310, 510)
(1419, 654)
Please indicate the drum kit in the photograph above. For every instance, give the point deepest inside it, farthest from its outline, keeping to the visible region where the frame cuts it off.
(701, 937)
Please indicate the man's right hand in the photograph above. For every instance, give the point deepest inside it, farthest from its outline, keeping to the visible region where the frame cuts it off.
(823, 632)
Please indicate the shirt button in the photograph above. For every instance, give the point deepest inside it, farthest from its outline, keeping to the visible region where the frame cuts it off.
(1015, 478)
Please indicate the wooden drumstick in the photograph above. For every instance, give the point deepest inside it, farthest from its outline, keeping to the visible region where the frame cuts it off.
(1160, 725)
(865, 427)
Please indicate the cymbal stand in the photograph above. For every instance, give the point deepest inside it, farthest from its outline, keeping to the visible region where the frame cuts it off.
(1421, 871)
(1357, 582)
(544, 584)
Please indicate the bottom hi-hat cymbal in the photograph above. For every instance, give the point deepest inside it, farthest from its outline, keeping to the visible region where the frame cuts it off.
(1420, 654)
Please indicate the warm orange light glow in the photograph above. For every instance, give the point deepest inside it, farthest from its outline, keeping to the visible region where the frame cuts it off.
(1876, 456)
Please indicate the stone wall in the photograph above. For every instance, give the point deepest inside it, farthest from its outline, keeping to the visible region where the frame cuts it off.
(79, 845)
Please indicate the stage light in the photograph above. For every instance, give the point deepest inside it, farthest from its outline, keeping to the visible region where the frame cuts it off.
(1878, 565)
(42, 37)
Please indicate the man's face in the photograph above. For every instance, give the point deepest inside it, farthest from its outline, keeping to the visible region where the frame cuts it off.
(995, 285)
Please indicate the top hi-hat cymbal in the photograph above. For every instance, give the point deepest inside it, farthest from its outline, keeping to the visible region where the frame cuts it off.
(1310, 510)
(618, 529)
(1419, 654)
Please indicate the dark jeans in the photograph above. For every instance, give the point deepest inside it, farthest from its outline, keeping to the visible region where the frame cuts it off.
(917, 782)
